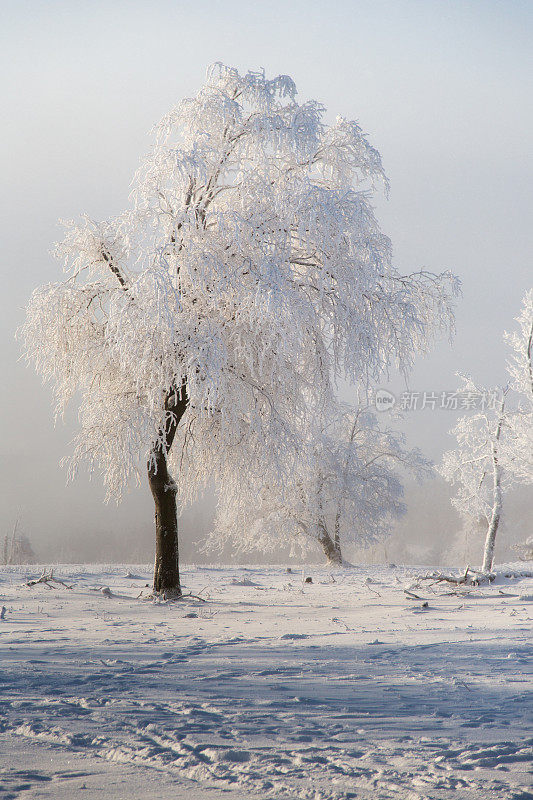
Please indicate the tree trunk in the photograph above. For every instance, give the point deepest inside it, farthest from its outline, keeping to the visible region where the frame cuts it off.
(337, 539)
(331, 548)
(164, 489)
(488, 555)
(333, 553)
(337, 527)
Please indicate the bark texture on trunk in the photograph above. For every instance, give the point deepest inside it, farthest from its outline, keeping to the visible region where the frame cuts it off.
(342, 494)
(331, 549)
(163, 488)
(337, 540)
(488, 555)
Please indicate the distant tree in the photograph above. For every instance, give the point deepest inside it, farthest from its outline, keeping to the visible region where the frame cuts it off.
(476, 466)
(345, 488)
(520, 368)
(525, 549)
(201, 325)
(496, 447)
(17, 548)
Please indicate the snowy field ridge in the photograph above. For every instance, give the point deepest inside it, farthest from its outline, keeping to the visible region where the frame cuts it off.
(272, 687)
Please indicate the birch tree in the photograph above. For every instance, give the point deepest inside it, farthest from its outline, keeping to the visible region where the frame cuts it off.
(476, 466)
(249, 273)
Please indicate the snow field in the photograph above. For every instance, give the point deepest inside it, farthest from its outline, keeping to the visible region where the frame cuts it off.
(272, 688)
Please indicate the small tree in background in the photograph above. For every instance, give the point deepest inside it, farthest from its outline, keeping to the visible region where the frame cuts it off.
(520, 368)
(17, 548)
(525, 549)
(345, 488)
(476, 466)
(202, 325)
(496, 447)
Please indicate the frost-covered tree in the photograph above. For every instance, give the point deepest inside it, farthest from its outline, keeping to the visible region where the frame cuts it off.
(525, 549)
(344, 488)
(476, 466)
(17, 548)
(201, 325)
(520, 368)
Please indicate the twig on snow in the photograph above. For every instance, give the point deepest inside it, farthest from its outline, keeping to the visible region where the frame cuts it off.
(162, 598)
(412, 595)
(48, 578)
(371, 589)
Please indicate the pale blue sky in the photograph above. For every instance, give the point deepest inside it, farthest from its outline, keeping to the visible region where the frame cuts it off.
(442, 88)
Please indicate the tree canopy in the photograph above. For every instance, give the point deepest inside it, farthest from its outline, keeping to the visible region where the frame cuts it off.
(248, 275)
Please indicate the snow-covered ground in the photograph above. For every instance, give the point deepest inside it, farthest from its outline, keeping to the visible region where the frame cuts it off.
(274, 688)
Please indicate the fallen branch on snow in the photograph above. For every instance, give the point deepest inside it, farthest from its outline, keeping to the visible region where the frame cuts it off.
(412, 595)
(166, 597)
(470, 577)
(49, 580)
